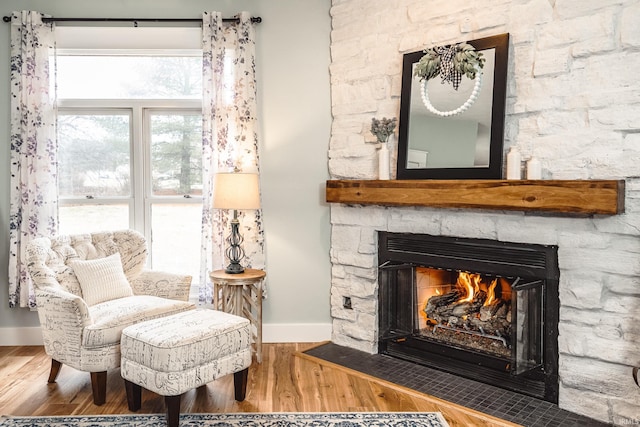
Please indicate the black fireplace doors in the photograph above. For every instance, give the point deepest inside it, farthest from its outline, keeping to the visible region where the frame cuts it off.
(482, 309)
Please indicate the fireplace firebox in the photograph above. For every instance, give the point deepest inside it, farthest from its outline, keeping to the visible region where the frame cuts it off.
(482, 309)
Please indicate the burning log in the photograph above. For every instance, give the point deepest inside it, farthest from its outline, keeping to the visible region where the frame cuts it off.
(451, 309)
(442, 301)
(466, 308)
(496, 325)
(439, 307)
(489, 311)
(476, 313)
(494, 318)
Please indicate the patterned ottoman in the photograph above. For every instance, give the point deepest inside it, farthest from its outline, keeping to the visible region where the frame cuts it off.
(177, 353)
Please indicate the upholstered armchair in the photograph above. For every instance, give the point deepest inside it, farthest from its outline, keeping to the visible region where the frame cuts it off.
(90, 287)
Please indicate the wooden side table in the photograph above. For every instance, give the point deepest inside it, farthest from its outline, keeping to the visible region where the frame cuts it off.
(241, 294)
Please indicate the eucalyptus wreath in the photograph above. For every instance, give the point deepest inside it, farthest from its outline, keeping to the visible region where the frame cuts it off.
(461, 59)
(451, 62)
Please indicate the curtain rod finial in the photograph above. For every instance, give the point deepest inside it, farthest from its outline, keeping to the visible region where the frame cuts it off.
(6, 19)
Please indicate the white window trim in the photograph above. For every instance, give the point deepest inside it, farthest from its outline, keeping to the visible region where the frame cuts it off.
(141, 198)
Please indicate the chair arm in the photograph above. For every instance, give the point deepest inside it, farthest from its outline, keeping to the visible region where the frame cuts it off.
(63, 317)
(162, 284)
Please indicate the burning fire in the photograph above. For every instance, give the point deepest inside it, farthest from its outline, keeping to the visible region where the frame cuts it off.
(465, 294)
(491, 292)
(470, 310)
(471, 284)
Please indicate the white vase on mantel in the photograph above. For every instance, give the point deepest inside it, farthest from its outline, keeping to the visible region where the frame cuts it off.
(383, 162)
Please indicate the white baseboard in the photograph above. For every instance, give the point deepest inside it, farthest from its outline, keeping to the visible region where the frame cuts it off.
(296, 332)
(20, 336)
(271, 333)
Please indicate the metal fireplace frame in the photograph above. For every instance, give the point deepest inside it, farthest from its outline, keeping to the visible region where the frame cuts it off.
(399, 253)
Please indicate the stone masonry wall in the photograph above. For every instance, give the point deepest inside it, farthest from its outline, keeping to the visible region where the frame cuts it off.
(573, 101)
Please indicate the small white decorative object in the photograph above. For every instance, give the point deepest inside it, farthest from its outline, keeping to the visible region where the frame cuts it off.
(514, 164)
(383, 162)
(534, 169)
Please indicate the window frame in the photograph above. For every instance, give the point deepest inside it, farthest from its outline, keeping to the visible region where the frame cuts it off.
(141, 198)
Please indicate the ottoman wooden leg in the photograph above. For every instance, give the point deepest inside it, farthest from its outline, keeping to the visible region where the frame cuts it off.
(134, 392)
(240, 384)
(173, 410)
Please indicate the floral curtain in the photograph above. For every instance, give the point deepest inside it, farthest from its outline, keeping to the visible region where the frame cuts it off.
(33, 193)
(230, 138)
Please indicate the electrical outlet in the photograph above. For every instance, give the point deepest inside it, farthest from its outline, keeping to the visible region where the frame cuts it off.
(346, 303)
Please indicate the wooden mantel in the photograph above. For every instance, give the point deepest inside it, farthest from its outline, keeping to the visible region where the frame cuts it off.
(570, 197)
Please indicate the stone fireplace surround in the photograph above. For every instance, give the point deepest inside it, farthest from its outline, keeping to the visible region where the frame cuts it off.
(599, 260)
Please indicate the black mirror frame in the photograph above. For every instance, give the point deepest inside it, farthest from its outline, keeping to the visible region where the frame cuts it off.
(494, 169)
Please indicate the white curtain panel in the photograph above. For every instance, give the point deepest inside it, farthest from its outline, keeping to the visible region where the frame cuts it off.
(230, 137)
(33, 193)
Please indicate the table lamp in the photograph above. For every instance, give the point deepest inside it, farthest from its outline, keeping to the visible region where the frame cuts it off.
(236, 191)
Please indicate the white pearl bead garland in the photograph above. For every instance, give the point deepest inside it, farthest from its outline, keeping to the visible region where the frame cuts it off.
(461, 109)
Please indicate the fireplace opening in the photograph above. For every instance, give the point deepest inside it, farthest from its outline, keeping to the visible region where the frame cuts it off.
(482, 309)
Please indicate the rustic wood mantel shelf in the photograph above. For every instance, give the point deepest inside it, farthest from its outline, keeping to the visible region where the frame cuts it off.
(568, 197)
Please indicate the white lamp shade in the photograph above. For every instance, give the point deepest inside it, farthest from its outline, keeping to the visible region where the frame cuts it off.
(236, 191)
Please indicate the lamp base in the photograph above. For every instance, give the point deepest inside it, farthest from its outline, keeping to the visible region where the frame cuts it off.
(234, 252)
(234, 268)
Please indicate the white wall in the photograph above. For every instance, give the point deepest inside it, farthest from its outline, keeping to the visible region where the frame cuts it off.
(294, 111)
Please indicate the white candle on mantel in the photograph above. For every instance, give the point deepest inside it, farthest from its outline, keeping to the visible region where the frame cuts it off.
(534, 169)
(514, 164)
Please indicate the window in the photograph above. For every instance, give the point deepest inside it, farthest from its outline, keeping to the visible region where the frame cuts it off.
(130, 150)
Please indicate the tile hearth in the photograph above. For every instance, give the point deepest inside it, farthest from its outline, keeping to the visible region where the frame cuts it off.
(500, 403)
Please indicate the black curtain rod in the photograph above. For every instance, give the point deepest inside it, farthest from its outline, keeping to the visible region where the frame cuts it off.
(255, 20)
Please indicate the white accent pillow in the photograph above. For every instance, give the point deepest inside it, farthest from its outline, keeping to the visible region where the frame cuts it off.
(101, 279)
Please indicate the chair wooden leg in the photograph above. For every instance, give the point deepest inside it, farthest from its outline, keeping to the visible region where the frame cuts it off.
(99, 387)
(240, 380)
(55, 370)
(134, 395)
(173, 410)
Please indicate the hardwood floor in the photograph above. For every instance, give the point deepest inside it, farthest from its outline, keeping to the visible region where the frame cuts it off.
(286, 381)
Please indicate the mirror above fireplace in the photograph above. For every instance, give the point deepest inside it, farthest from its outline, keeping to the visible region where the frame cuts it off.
(461, 146)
